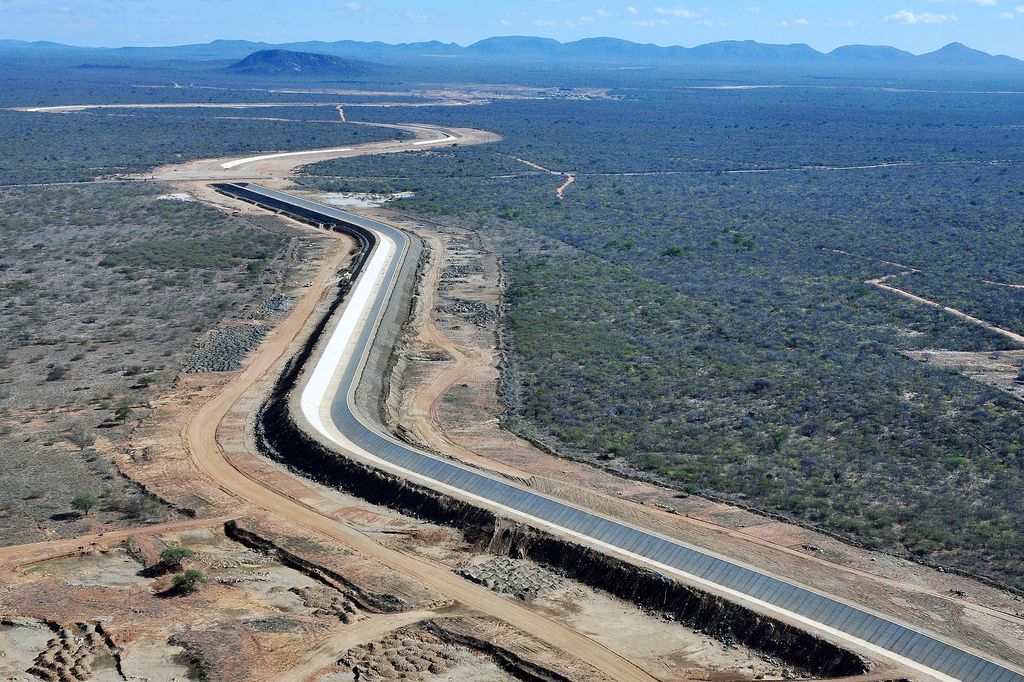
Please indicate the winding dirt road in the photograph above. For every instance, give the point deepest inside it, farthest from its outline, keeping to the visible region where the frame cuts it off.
(201, 441)
(200, 437)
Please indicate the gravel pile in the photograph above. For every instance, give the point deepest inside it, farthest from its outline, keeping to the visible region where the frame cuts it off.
(475, 311)
(273, 308)
(518, 578)
(456, 272)
(224, 350)
(328, 602)
(401, 656)
(70, 655)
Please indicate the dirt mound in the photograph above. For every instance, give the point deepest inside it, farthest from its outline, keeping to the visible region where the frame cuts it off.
(71, 654)
(406, 654)
(518, 578)
(328, 602)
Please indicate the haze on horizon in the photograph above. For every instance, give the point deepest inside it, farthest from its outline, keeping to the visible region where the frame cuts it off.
(918, 26)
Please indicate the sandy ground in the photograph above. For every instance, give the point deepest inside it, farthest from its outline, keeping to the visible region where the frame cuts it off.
(449, 403)
(995, 368)
(272, 171)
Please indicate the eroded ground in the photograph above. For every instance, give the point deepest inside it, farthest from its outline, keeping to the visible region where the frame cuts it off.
(274, 608)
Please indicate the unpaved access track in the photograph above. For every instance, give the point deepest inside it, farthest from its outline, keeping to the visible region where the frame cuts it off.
(1013, 336)
(201, 434)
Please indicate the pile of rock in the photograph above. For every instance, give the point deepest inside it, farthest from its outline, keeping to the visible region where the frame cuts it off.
(476, 312)
(520, 579)
(455, 272)
(328, 602)
(402, 655)
(272, 308)
(69, 656)
(224, 350)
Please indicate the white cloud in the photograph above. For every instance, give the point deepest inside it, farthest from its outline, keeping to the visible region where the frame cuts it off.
(754, 9)
(587, 20)
(907, 17)
(545, 23)
(355, 7)
(1007, 15)
(832, 23)
(985, 3)
(703, 22)
(677, 13)
(632, 10)
(645, 24)
(801, 22)
(1020, 8)
(604, 14)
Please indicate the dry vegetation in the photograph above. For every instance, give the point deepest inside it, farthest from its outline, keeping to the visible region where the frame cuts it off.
(105, 290)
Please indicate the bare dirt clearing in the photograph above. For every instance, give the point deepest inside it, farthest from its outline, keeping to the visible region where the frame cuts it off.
(998, 368)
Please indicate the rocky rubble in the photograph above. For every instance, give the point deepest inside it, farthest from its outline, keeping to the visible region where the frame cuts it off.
(475, 311)
(520, 579)
(328, 602)
(70, 655)
(224, 350)
(401, 655)
(272, 308)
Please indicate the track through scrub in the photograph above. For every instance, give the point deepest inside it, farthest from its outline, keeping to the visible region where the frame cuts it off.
(201, 443)
(327, 402)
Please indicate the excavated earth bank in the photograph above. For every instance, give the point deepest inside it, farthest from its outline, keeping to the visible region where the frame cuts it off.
(280, 438)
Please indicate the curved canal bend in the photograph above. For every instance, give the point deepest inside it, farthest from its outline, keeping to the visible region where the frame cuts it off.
(328, 403)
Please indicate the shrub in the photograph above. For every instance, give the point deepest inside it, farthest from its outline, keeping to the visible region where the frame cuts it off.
(188, 581)
(85, 502)
(172, 557)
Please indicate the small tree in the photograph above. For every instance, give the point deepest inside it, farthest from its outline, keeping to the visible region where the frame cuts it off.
(172, 557)
(123, 414)
(85, 502)
(188, 581)
(78, 435)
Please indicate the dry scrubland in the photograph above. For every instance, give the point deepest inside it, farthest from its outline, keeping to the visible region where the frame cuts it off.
(104, 291)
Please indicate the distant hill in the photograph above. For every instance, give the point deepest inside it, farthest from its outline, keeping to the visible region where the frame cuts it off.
(287, 62)
(959, 56)
(353, 59)
(870, 54)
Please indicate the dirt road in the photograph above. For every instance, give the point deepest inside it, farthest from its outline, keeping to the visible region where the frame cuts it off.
(22, 555)
(201, 442)
(275, 166)
(1013, 336)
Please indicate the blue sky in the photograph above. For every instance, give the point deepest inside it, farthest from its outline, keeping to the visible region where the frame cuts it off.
(995, 26)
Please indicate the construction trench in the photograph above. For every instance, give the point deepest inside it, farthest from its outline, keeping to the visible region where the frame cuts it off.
(280, 438)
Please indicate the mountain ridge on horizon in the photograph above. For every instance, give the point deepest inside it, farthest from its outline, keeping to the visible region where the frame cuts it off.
(602, 51)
